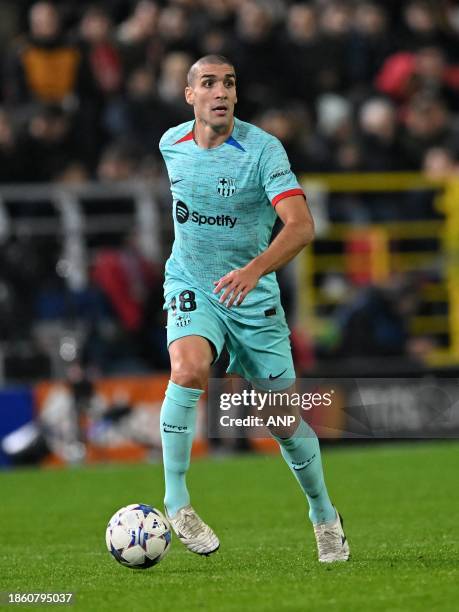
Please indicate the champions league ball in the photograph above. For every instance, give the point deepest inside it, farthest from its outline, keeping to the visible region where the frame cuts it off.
(138, 536)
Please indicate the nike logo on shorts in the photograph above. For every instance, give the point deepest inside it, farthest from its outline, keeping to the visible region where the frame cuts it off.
(271, 377)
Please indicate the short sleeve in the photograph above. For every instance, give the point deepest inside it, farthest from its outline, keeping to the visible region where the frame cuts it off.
(277, 178)
(164, 141)
(165, 149)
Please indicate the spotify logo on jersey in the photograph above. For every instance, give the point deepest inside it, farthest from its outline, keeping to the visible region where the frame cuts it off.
(181, 212)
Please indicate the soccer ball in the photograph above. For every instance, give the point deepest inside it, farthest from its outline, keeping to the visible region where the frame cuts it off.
(138, 536)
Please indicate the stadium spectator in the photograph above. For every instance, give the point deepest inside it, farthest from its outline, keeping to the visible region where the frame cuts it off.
(140, 114)
(421, 25)
(427, 124)
(301, 50)
(171, 84)
(119, 161)
(126, 277)
(217, 13)
(132, 286)
(292, 130)
(255, 51)
(379, 141)
(432, 75)
(404, 75)
(440, 163)
(451, 21)
(213, 41)
(374, 323)
(44, 65)
(371, 42)
(335, 130)
(104, 57)
(49, 144)
(26, 266)
(174, 29)
(333, 66)
(138, 38)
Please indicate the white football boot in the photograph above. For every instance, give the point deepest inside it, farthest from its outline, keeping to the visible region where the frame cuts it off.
(332, 543)
(193, 532)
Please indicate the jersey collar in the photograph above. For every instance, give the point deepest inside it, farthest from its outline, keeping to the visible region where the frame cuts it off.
(231, 140)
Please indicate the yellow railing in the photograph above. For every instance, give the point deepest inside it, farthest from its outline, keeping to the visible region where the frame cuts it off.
(386, 259)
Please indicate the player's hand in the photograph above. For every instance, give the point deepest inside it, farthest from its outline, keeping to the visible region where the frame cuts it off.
(237, 285)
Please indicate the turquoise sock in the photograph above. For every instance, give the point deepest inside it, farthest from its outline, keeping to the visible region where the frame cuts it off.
(302, 454)
(177, 418)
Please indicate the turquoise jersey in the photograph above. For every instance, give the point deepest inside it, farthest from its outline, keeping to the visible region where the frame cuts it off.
(224, 210)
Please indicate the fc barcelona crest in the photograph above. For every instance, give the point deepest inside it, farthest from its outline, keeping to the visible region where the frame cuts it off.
(226, 187)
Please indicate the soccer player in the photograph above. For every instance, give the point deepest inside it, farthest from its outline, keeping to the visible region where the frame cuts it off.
(228, 180)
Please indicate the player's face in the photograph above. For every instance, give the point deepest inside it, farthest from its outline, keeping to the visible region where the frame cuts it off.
(213, 95)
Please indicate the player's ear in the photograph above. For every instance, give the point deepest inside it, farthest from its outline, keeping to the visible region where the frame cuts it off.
(189, 95)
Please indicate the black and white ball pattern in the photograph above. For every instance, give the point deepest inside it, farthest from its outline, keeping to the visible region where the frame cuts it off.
(138, 536)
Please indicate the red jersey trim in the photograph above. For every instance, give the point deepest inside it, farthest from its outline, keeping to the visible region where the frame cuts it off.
(188, 136)
(287, 194)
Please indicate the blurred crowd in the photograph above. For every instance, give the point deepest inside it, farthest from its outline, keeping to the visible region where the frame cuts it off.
(347, 85)
(87, 90)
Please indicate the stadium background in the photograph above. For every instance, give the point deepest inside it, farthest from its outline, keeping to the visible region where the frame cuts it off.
(365, 98)
(364, 95)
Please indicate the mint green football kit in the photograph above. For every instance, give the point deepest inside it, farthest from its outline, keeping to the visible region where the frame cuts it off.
(224, 202)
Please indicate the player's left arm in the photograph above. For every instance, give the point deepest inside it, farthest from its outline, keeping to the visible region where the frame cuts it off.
(298, 231)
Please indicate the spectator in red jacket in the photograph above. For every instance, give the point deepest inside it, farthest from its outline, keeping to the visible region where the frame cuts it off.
(405, 74)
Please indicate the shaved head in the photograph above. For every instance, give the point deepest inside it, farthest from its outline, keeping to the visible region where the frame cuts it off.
(211, 91)
(204, 61)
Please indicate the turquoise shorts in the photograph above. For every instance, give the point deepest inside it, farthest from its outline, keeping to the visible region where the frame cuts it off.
(259, 349)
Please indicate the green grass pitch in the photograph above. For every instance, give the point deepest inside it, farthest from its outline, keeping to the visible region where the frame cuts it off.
(400, 504)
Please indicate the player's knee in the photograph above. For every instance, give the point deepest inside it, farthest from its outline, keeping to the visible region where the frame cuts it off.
(284, 425)
(192, 373)
(285, 437)
(291, 432)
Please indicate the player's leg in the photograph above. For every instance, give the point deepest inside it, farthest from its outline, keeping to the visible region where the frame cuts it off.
(193, 337)
(190, 362)
(190, 357)
(299, 444)
(264, 355)
(301, 451)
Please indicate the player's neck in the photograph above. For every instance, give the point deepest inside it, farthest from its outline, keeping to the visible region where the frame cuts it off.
(207, 137)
